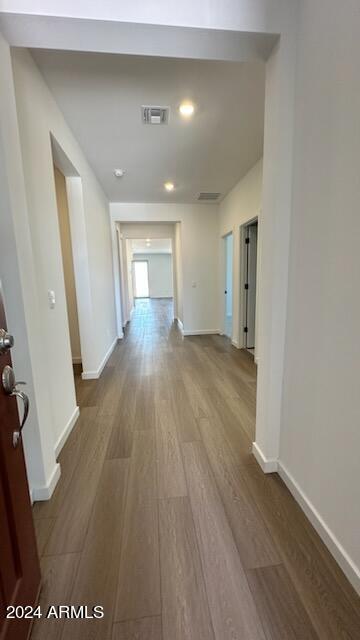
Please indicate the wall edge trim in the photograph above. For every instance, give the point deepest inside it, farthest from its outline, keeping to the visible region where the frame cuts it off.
(348, 566)
(267, 465)
(93, 375)
(66, 431)
(45, 492)
(201, 332)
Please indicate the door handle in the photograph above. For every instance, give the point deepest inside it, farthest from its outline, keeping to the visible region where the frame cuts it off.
(9, 385)
(25, 399)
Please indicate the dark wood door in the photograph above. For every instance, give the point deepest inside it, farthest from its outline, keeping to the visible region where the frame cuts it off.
(19, 563)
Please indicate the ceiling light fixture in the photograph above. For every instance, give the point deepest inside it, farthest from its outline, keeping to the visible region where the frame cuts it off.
(169, 186)
(119, 173)
(187, 109)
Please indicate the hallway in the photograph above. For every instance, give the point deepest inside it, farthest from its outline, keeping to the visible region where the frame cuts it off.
(163, 517)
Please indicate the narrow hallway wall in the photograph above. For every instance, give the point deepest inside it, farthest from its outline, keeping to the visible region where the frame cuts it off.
(320, 436)
(38, 117)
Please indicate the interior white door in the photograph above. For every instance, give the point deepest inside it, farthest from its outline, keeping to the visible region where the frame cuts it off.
(251, 247)
(228, 291)
(141, 278)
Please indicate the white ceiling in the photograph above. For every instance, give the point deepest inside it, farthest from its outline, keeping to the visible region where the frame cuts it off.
(157, 245)
(101, 97)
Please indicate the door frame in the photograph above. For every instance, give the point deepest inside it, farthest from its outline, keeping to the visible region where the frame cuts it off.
(242, 282)
(223, 269)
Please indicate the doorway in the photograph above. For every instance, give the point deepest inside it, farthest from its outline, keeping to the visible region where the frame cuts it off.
(141, 278)
(250, 250)
(228, 281)
(68, 268)
(147, 267)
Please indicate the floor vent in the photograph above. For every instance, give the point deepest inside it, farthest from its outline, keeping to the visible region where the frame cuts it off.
(208, 196)
(155, 115)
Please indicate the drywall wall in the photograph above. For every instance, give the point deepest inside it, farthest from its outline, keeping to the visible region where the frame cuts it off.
(38, 116)
(18, 280)
(199, 255)
(160, 273)
(320, 435)
(68, 264)
(242, 204)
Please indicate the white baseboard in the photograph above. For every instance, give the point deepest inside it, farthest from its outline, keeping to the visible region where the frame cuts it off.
(66, 431)
(267, 465)
(236, 344)
(93, 375)
(350, 569)
(45, 492)
(201, 332)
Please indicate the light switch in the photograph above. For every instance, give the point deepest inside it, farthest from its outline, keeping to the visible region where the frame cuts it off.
(51, 298)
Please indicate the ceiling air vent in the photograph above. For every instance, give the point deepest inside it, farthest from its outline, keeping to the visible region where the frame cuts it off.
(155, 115)
(204, 195)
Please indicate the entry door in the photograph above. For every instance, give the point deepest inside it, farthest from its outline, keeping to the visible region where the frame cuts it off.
(250, 286)
(19, 563)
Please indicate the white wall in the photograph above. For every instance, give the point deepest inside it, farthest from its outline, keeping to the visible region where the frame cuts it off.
(160, 273)
(199, 255)
(38, 115)
(18, 278)
(242, 204)
(320, 435)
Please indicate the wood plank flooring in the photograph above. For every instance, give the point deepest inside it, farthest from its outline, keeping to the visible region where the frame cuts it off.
(162, 515)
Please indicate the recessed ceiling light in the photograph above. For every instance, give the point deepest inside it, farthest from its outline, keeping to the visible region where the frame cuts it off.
(147, 239)
(119, 173)
(187, 109)
(169, 186)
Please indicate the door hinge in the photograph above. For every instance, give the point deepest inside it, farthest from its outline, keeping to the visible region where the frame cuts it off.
(246, 329)
(247, 240)
(246, 286)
